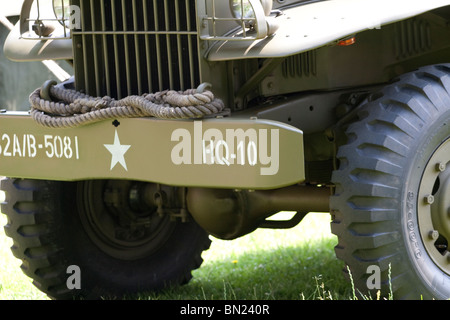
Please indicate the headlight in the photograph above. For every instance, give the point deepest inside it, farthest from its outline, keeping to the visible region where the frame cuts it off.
(68, 15)
(255, 14)
(62, 11)
(255, 20)
(242, 9)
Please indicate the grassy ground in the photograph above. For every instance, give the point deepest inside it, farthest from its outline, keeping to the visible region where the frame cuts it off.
(271, 264)
(268, 264)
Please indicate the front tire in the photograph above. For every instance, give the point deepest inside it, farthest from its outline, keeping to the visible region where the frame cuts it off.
(55, 225)
(392, 198)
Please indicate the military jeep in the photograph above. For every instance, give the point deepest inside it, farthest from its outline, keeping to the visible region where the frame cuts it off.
(190, 118)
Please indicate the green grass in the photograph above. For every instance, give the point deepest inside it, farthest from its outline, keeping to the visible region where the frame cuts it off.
(298, 263)
(271, 264)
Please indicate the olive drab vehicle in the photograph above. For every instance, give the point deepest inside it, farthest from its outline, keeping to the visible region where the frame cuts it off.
(189, 118)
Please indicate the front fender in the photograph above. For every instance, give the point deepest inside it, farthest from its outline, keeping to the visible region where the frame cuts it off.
(317, 24)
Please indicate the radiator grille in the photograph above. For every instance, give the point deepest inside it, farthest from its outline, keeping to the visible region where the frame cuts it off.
(128, 47)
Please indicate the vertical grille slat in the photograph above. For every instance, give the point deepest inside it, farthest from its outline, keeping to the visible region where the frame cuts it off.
(95, 49)
(157, 42)
(168, 41)
(105, 53)
(128, 47)
(145, 10)
(137, 46)
(84, 48)
(180, 52)
(117, 61)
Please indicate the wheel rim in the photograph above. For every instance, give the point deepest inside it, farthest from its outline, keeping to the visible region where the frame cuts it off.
(116, 224)
(434, 207)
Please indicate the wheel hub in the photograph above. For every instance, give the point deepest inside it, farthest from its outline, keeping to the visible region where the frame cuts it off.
(434, 207)
(118, 222)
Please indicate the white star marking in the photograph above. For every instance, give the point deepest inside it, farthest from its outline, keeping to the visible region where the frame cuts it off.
(118, 152)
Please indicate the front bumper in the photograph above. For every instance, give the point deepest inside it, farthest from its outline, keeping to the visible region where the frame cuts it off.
(213, 153)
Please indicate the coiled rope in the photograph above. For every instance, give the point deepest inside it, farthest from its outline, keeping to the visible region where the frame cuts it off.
(57, 107)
